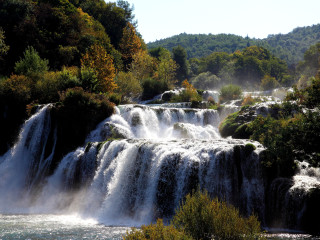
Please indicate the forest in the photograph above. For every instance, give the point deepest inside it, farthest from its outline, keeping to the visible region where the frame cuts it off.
(288, 47)
(68, 50)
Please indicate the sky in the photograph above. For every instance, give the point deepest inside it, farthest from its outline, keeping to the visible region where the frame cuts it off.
(255, 18)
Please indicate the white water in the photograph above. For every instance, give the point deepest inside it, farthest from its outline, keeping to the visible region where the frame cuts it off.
(165, 153)
(25, 164)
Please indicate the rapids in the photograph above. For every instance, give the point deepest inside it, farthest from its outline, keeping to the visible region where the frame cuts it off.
(138, 165)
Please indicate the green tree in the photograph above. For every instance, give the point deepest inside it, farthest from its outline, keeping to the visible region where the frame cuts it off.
(128, 85)
(268, 83)
(214, 62)
(180, 57)
(31, 64)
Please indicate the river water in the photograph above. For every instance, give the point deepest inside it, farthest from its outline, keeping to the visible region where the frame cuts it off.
(66, 227)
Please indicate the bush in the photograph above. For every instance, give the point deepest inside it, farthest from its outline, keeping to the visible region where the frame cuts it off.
(189, 94)
(152, 87)
(249, 100)
(128, 85)
(77, 115)
(269, 83)
(31, 65)
(230, 92)
(68, 79)
(203, 218)
(88, 79)
(156, 232)
(206, 80)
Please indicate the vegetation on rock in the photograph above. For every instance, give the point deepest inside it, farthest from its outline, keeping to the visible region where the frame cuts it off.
(199, 217)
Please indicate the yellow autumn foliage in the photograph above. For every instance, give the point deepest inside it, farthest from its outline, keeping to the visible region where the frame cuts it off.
(102, 63)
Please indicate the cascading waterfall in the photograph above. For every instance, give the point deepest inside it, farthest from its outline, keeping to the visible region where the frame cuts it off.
(152, 158)
(26, 163)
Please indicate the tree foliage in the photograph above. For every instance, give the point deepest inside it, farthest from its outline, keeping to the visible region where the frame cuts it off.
(203, 218)
(288, 47)
(31, 64)
(130, 44)
(180, 57)
(97, 59)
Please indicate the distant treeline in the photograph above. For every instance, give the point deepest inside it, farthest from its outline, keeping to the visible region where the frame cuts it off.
(288, 47)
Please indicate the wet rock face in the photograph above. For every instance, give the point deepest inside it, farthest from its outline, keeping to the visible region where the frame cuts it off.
(235, 124)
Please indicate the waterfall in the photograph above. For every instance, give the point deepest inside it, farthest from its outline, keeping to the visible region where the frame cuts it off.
(27, 162)
(139, 164)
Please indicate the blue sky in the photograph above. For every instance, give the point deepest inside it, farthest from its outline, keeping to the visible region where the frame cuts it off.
(255, 18)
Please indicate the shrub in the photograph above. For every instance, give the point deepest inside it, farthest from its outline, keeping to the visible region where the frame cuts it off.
(269, 83)
(156, 232)
(249, 100)
(68, 79)
(206, 80)
(230, 92)
(31, 64)
(78, 114)
(203, 218)
(152, 87)
(88, 79)
(128, 85)
(17, 88)
(46, 89)
(189, 94)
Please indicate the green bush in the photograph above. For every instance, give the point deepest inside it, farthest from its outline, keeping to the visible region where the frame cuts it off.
(288, 139)
(77, 115)
(68, 79)
(199, 217)
(269, 83)
(31, 64)
(88, 79)
(230, 92)
(152, 87)
(203, 218)
(156, 232)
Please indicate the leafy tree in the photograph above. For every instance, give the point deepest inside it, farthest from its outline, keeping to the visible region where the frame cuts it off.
(102, 64)
(206, 80)
(158, 52)
(113, 16)
(142, 65)
(288, 47)
(214, 62)
(128, 85)
(268, 83)
(31, 64)
(166, 70)
(180, 57)
(311, 62)
(130, 44)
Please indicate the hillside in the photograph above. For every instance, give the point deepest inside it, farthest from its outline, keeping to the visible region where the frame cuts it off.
(289, 47)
